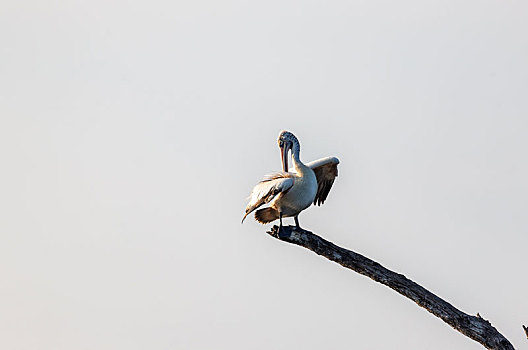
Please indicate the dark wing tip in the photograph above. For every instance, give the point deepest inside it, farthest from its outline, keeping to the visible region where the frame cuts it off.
(325, 175)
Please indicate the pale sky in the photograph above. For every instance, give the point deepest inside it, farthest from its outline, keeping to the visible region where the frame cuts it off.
(131, 134)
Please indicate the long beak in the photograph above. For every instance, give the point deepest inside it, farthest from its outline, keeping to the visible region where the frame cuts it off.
(284, 157)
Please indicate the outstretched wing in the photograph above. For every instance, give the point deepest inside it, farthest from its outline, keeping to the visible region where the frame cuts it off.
(267, 189)
(325, 170)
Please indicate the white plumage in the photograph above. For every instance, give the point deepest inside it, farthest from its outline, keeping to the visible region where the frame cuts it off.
(289, 193)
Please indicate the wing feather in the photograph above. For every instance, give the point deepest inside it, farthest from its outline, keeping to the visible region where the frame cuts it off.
(325, 170)
(267, 189)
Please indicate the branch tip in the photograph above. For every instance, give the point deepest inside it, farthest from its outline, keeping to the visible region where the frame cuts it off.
(474, 327)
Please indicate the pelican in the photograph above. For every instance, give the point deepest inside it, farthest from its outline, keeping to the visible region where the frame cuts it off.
(289, 193)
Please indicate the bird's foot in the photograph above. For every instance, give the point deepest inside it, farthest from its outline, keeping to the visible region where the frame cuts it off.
(282, 231)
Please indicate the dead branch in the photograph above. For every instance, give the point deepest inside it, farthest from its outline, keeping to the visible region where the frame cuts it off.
(474, 327)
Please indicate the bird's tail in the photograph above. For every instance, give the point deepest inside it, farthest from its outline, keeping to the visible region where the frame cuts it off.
(266, 215)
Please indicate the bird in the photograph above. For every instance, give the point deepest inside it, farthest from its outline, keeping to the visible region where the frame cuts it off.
(289, 193)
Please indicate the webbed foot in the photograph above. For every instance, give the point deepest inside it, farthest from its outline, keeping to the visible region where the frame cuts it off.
(281, 231)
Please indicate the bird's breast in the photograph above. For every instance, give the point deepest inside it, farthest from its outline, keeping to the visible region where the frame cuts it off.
(300, 196)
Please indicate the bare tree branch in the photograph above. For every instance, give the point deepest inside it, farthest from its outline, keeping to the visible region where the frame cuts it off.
(525, 330)
(474, 327)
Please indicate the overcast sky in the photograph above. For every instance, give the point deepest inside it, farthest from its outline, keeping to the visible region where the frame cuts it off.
(132, 132)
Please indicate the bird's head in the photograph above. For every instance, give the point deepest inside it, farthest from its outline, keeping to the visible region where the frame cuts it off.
(286, 142)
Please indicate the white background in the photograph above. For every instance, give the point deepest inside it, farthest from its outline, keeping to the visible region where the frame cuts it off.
(132, 132)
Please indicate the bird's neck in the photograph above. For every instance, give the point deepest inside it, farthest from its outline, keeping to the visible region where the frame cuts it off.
(296, 159)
